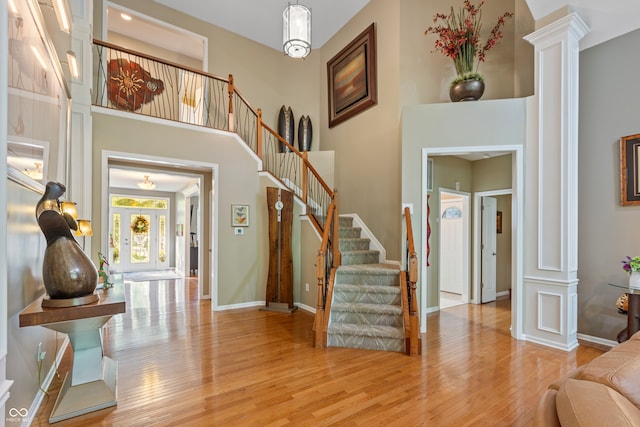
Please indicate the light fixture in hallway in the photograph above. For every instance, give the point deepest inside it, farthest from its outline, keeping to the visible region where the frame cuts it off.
(146, 184)
(296, 30)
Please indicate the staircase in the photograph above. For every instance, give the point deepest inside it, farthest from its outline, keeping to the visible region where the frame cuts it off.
(366, 311)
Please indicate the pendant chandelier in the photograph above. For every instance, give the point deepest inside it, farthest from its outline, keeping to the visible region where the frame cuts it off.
(296, 30)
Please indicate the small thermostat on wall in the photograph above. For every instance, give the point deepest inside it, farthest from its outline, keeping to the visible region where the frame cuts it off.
(239, 231)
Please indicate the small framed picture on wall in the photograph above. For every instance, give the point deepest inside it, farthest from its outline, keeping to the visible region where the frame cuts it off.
(239, 215)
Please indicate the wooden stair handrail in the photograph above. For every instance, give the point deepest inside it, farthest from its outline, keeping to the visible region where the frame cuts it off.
(299, 154)
(408, 283)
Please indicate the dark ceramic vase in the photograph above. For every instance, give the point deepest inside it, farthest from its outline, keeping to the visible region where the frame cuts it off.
(469, 90)
(286, 126)
(305, 133)
(67, 271)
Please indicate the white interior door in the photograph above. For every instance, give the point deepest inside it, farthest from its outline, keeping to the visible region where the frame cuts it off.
(489, 210)
(451, 245)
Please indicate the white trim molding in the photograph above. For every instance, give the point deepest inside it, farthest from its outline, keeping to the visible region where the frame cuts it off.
(551, 234)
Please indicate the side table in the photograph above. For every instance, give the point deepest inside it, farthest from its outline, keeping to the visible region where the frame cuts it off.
(633, 315)
(92, 382)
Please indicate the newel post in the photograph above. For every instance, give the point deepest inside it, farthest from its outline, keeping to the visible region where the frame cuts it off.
(305, 175)
(259, 134)
(335, 247)
(231, 89)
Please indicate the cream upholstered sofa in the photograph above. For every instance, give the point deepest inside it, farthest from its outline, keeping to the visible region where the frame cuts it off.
(604, 392)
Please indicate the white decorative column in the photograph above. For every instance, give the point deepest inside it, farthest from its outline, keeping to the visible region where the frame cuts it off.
(551, 193)
(80, 173)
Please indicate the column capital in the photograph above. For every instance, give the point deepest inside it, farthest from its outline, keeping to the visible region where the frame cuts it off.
(571, 26)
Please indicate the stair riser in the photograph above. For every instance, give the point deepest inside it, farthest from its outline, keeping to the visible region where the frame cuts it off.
(346, 221)
(367, 279)
(356, 258)
(349, 232)
(369, 297)
(366, 318)
(372, 343)
(354, 244)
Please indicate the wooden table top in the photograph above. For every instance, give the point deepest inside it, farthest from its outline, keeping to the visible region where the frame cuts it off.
(111, 301)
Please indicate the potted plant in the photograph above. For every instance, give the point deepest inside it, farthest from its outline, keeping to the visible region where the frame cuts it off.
(632, 266)
(458, 37)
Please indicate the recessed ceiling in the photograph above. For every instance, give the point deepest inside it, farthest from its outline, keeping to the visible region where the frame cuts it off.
(139, 28)
(168, 182)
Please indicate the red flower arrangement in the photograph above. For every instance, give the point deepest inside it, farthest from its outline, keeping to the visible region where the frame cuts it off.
(459, 38)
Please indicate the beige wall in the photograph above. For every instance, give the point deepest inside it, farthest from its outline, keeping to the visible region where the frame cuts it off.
(241, 260)
(607, 231)
(425, 74)
(495, 174)
(438, 126)
(367, 146)
(153, 50)
(408, 74)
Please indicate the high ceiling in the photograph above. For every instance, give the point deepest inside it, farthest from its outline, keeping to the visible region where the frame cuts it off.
(261, 20)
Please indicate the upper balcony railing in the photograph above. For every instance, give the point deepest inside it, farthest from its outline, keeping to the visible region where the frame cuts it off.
(132, 81)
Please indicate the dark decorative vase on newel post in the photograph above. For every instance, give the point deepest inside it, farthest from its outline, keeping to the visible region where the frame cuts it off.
(459, 39)
(70, 277)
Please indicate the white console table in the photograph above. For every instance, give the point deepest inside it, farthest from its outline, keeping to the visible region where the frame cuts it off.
(92, 382)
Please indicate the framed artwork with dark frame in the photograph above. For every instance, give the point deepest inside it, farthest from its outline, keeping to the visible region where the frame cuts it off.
(351, 76)
(499, 222)
(629, 170)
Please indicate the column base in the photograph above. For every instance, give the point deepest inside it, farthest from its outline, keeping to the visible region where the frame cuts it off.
(551, 312)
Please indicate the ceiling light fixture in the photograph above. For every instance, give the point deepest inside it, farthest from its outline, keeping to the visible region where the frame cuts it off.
(125, 16)
(146, 184)
(296, 30)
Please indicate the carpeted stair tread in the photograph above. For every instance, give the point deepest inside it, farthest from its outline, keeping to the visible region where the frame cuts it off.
(360, 257)
(354, 243)
(359, 307)
(380, 331)
(373, 269)
(378, 289)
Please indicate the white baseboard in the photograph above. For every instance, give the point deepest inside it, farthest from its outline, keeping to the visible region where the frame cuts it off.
(306, 308)
(239, 305)
(258, 304)
(597, 340)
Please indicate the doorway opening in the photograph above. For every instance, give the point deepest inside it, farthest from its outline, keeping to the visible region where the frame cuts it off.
(429, 292)
(169, 224)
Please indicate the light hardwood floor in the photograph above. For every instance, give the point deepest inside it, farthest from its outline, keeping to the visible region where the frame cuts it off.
(182, 365)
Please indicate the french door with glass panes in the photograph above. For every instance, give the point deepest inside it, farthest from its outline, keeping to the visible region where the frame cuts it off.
(138, 237)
